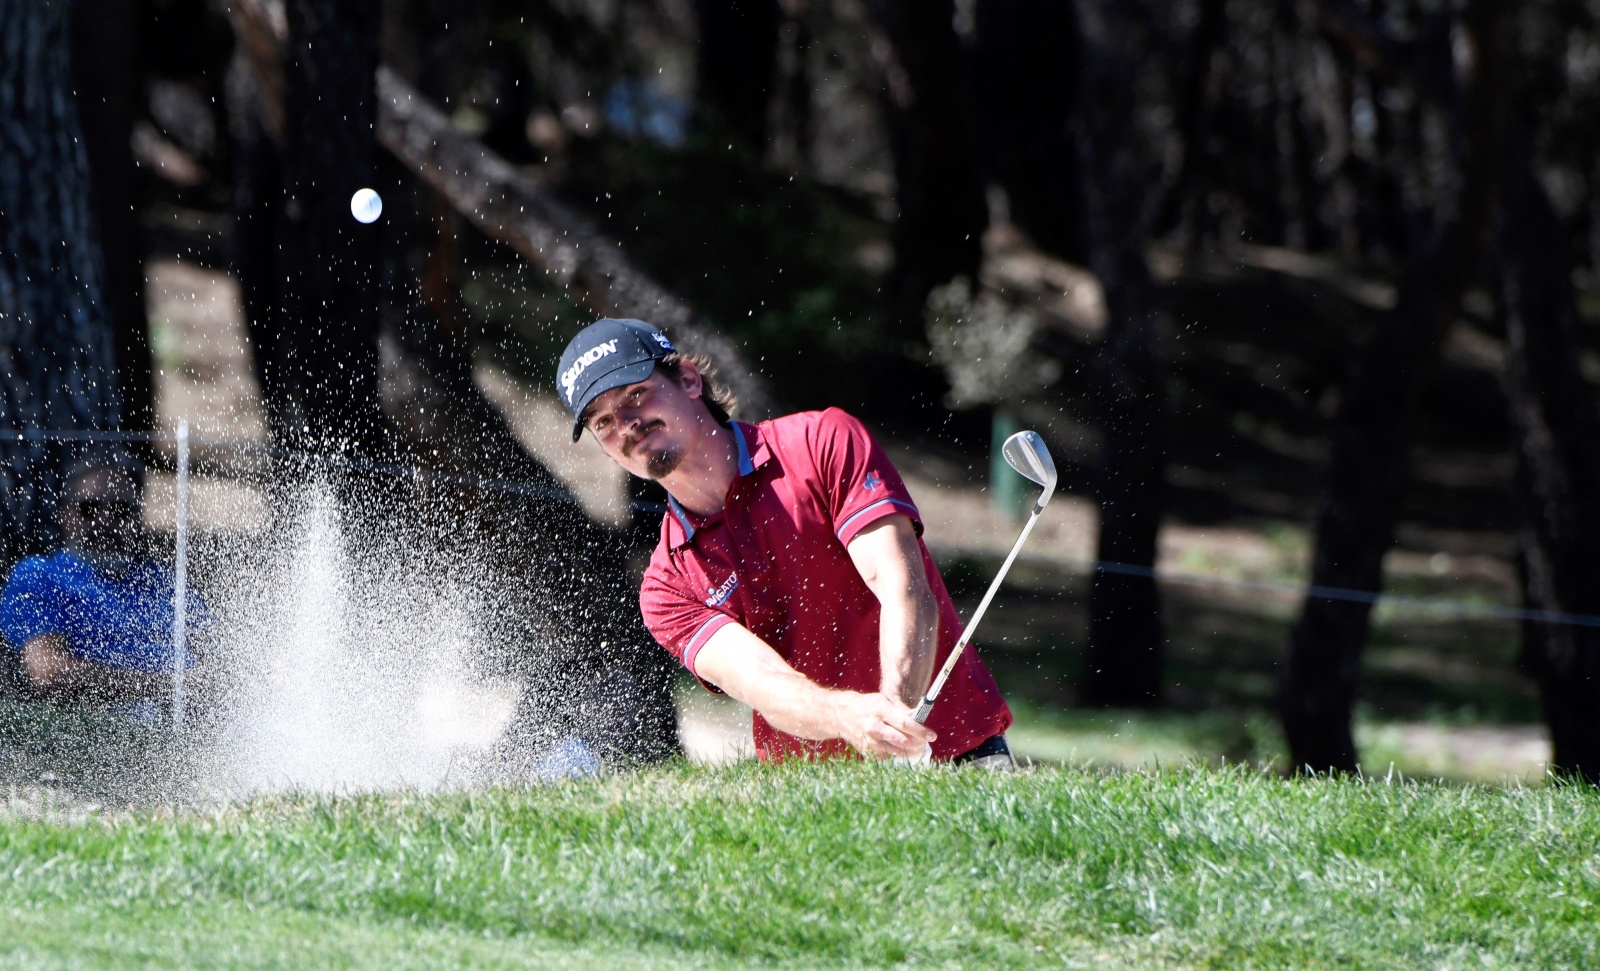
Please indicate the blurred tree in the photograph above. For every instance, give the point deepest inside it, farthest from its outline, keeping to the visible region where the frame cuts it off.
(1126, 653)
(736, 64)
(57, 335)
(1366, 473)
(255, 120)
(320, 350)
(440, 43)
(303, 121)
(108, 76)
(1025, 63)
(939, 228)
(1558, 444)
(794, 126)
(1196, 98)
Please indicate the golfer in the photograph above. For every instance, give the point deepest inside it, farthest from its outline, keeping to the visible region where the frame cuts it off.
(791, 573)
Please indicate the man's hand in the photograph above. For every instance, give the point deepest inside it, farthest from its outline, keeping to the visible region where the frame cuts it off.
(879, 726)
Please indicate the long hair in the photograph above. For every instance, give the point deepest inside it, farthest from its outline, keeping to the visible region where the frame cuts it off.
(719, 399)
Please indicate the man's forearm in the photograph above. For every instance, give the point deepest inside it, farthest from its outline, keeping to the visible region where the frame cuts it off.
(799, 706)
(53, 670)
(908, 639)
(889, 559)
(747, 668)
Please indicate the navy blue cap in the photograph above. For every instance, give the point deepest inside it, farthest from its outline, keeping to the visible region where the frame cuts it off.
(609, 353)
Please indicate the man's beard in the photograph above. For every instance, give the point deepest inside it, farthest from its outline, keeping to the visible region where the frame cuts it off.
(664, 462)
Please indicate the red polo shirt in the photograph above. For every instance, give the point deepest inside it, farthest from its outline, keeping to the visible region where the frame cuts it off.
(775, 561)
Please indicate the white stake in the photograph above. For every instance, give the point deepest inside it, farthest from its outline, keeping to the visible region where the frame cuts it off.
(180, 581)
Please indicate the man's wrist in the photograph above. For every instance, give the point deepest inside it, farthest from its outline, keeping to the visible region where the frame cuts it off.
(839, 705)
(900, 691)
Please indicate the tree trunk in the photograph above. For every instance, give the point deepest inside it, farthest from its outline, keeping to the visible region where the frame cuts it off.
(938, 233)
(1558, 445)
(1126, 655)
(256, 206)
(1366, 472)
(106, 68)
(1295, 84)
(794, 129)
(323, 368)
(1287, 192)
(1194, 120)
(57, 338)
(302, 112)
(737, 64)
(1024, 72)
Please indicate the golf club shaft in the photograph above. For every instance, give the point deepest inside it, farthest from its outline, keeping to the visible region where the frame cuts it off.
(926, 705)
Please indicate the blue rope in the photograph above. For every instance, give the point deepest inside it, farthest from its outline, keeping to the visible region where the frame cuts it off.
(1317, 592)
(1459, 608)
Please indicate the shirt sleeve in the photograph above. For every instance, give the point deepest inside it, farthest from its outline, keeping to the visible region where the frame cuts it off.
(31, 605)
(677, 621)
(861, 485)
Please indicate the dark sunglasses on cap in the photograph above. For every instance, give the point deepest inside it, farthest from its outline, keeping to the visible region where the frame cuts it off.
(108, 508)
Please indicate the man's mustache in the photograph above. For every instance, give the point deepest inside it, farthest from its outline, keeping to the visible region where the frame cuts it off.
(632, 440)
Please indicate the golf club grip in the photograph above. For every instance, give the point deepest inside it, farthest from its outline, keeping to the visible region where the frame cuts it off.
(920, 716)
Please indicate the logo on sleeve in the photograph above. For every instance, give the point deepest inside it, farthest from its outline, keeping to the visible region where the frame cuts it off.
(720, 595)
(872, 483)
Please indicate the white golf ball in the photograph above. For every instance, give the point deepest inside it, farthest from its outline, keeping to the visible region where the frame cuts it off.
(366, 205)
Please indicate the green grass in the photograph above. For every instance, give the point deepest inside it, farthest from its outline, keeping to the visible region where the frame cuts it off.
(1438, 749)
(1130, 739)
(824, 866)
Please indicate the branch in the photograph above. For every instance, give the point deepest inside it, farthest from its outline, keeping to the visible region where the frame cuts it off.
(509, 206)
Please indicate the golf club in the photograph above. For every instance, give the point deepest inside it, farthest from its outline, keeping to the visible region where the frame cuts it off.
(1025, 452)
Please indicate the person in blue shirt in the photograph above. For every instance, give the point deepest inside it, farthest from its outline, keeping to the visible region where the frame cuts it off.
(93, 621)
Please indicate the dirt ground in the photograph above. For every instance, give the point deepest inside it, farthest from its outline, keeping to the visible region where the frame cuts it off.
(1441, 695)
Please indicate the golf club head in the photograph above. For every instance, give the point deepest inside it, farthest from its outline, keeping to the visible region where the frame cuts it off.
(1026, 452)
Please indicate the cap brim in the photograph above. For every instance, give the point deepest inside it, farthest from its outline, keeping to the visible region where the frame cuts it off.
(621, 377)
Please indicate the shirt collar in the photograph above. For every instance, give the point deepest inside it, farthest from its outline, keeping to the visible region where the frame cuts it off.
(680, 518)
(749, 461)
(745, 465)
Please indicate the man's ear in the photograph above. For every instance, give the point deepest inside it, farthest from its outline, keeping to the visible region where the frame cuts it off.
(689, 378)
